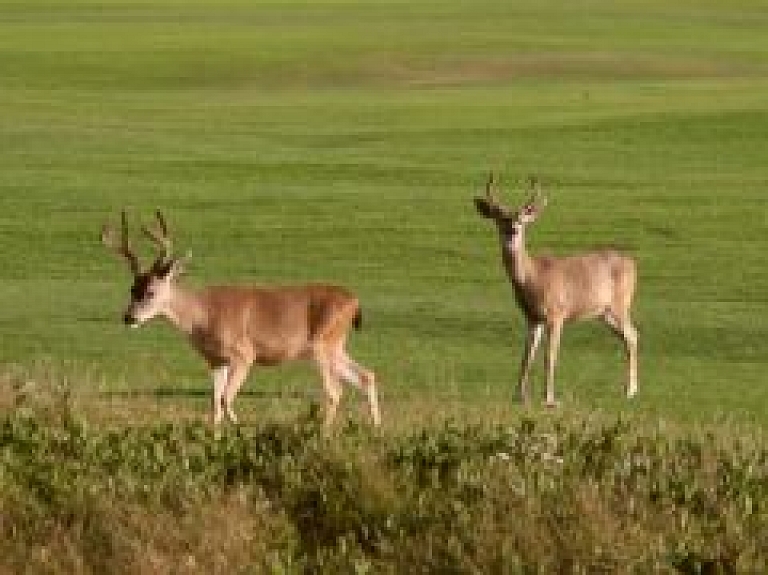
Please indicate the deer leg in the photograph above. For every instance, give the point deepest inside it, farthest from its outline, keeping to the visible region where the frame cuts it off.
(532, 340)
(333, 391)
(351, 372)
(237, 374)
(220, 375)
(630, 340)
(553, 335)
(623, 328)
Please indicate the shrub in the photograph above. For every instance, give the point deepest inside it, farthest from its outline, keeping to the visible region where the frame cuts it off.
(541, 494)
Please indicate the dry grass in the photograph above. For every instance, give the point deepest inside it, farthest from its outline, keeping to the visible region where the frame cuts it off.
(136, 485)
(494, 70)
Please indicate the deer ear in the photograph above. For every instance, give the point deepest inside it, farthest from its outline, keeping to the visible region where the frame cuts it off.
(486, 208)
(172, 268)
(178, 265)
(532, 208)
(528, 213)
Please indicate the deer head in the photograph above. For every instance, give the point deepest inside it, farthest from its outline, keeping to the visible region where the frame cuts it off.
(511, 222)
(151, 291)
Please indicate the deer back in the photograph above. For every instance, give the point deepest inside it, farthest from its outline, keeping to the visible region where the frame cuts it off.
(269, 325)
(578, 286)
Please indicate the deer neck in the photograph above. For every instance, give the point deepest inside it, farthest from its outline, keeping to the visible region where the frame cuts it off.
(520, 266)
(187, 311)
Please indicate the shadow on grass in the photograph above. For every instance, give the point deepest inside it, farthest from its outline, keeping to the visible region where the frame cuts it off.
(166, 392)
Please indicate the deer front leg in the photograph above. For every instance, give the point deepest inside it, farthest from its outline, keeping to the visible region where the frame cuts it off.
(220, 375)
(237, 374)
(553, 335)
(532, 340)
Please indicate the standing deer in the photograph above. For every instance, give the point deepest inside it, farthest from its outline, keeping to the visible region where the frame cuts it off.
(234, 327)
(553, 290)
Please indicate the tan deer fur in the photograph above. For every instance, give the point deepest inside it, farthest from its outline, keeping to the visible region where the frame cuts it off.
(553, 290)
(235, 327)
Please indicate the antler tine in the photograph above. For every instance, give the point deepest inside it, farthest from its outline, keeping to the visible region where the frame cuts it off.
(160, 236)
(121, 246)
(161, 222)
(489, 189)
(537, 198)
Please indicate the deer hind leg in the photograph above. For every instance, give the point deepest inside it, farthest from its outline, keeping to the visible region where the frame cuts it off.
(553, 335)
(623, 327)
(532, 340)
(237, 374)
(332, 387)
(330, 342)
(350, 371)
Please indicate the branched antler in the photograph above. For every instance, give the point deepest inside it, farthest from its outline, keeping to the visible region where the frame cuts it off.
(537, 200)
(120, 245)
(160, 237)
(490, 186)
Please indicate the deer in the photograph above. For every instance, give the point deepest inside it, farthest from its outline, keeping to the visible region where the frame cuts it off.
(551, 290)
(234, 327)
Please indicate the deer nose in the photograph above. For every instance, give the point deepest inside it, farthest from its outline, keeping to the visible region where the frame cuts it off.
(128, 319)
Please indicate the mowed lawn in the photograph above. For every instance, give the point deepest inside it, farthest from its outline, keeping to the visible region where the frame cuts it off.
(343, 141)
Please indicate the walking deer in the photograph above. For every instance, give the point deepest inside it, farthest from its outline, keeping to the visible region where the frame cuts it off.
(234, 327)
(553, 290)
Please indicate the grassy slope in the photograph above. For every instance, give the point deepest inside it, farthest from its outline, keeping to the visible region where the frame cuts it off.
(292, 141)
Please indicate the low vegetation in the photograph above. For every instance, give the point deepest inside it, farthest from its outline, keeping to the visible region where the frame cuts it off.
(537, 493)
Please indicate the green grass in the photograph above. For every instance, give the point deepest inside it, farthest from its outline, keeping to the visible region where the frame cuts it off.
(343, 141)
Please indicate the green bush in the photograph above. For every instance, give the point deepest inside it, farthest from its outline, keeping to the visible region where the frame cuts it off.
(541, 494)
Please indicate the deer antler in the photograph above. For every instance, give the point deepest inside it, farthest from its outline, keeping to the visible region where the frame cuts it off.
(537, 200)
(160, 237)
(489, 190)
(121, 246)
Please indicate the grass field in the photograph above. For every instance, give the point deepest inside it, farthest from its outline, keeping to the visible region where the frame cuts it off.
(343, 141)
